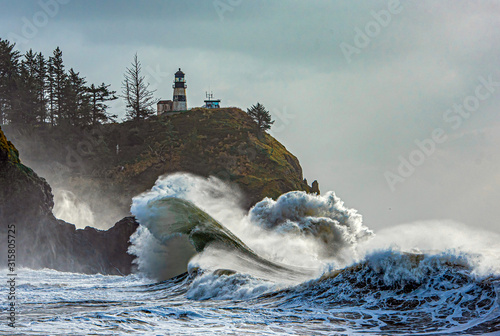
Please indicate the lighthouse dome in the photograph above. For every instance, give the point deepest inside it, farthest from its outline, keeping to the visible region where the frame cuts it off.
(179, 73)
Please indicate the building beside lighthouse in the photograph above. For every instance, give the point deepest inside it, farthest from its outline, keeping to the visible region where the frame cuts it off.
(211, 102)
(164, 106)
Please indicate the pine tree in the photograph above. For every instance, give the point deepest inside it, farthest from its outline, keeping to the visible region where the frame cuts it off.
(35, 91)
(136, 92)
(261, 116)
(57, 80)
(41, 86)
(74, 103)
(98, 97)
(25, 97)
(9, 73)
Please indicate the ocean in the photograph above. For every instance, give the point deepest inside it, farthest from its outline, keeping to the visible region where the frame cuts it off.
(299, 265)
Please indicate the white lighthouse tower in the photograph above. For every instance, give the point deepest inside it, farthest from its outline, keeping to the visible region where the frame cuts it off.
(180, 103)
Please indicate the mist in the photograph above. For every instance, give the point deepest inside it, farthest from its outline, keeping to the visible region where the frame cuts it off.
(72, 210)
(76, 200)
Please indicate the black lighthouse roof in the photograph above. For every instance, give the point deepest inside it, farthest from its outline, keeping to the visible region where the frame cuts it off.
(179, 73)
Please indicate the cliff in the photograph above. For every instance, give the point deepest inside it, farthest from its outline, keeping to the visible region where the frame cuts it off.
(42, 241)
(107, 165)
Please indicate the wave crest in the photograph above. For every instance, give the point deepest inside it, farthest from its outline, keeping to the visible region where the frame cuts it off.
(324, 218)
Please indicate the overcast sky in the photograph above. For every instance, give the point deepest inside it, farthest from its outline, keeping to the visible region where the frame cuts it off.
(352, 85)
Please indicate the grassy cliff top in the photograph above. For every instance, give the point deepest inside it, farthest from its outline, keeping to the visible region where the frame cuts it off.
(220, 142)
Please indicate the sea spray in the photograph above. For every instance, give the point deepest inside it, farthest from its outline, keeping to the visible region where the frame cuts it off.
(219, 199)
(447, 286)
(324, 218)
(69, 208)
(157, 260)
(169, 217)
(482, 248)
(298, 229)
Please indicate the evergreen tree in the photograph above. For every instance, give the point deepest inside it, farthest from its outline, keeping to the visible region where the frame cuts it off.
(9, 73)
(74, 103)
(25, 97)
(261, 116)
(136, 92)
(57, 81)
(41, 86)
(35, 90)
(98, 97)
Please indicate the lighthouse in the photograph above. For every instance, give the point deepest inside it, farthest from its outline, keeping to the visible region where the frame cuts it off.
(180, 103)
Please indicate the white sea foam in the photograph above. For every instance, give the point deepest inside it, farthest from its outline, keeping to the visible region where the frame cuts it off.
(324, 218)
(228, 287)
(297, 229)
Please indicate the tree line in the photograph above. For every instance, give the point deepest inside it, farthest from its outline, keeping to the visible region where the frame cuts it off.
(38, 90)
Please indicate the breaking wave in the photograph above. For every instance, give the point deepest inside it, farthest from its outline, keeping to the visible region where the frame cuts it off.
(308, 252)
(299, 231)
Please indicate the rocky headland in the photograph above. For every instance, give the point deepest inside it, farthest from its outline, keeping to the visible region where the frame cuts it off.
(109, 164)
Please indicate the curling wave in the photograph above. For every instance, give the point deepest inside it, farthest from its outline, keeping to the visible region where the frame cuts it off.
(298, 233)
(169, 216)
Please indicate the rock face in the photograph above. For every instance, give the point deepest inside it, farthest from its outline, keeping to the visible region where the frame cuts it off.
(106, 166)
(315, 187)
(42, 241)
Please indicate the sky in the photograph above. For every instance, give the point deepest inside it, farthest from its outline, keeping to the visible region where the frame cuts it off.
(394, 106)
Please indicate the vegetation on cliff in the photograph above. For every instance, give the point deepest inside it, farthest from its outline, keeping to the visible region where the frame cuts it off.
(16, 178)
(218, 142)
